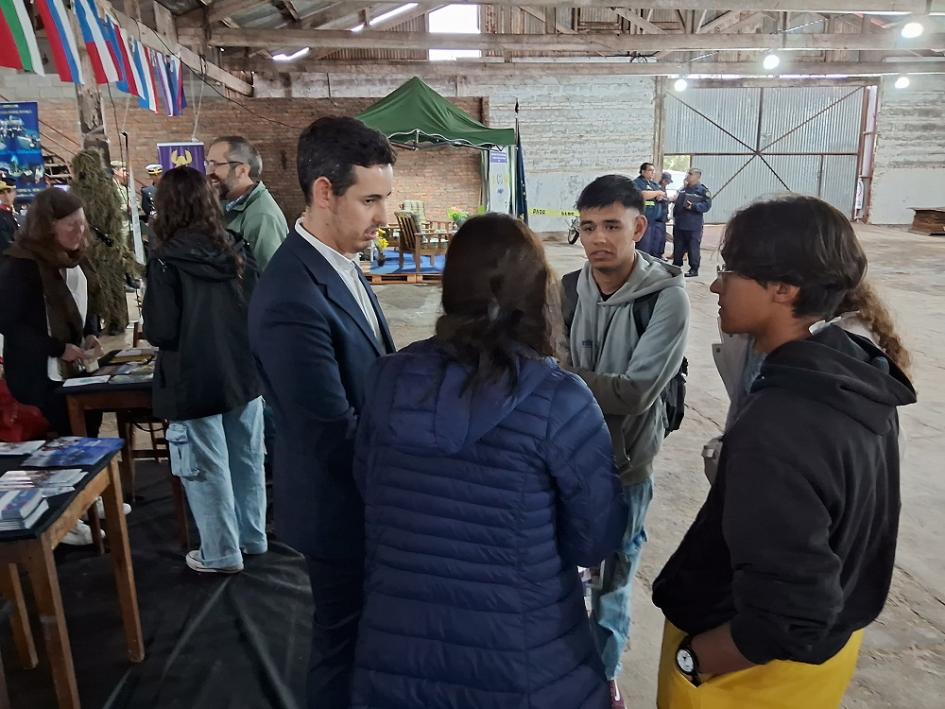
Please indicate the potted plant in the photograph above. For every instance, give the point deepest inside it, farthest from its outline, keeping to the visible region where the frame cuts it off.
(457, 216)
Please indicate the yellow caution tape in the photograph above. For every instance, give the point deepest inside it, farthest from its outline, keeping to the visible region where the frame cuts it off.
(534, 212)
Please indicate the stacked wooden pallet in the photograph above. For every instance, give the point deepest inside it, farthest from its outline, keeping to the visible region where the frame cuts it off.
(929, 221)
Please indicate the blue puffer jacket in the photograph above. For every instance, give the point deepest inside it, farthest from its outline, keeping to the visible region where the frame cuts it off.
(479, 505)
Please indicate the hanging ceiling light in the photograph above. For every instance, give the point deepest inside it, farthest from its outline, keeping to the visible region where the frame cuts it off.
(911, 30)
(771, 61)
(680, 85)
(902, 82)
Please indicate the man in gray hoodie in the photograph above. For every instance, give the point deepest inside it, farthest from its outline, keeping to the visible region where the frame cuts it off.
(627, 359)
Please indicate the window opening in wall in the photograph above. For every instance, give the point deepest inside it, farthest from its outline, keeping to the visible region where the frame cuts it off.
(454, 19)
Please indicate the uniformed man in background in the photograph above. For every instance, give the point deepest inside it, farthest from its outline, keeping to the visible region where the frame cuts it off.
(692, 202)
(652, 207)
(154, 171)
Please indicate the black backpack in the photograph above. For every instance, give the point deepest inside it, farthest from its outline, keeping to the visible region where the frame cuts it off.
(674, 394)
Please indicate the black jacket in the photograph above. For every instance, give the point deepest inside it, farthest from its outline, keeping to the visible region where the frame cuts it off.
(27, 345)
(795, 544)
(314, 349)
(195, 313)
(8, 228)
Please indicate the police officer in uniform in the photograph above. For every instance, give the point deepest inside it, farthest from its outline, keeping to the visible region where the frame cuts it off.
(154, 171)
(653, 197)
(659, 238)
(9, 224)
(692, 202)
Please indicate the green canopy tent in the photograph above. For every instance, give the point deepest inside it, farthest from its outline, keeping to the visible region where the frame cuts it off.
(415, 116)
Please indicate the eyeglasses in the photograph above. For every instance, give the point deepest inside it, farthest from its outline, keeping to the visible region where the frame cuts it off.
(722, 273)
(212, 165)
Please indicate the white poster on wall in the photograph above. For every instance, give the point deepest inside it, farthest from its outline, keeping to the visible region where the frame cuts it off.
(500, 182)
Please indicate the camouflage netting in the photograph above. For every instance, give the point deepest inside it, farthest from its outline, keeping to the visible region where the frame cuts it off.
(92, 183)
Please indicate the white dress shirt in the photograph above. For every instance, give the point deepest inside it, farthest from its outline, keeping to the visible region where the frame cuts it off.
(79, 288)
(350, 274)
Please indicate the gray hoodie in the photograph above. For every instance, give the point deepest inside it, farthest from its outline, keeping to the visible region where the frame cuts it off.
(627, 372)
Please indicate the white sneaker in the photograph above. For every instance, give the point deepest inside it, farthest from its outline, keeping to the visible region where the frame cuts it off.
(194, 562)
(80, 535)
(100, 508)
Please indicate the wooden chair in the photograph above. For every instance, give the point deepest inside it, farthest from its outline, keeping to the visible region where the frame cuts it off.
(418, 242)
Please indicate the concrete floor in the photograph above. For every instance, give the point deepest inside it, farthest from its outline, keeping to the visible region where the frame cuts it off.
(903, 659)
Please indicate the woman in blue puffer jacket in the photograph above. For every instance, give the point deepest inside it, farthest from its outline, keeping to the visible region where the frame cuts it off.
(487, 477)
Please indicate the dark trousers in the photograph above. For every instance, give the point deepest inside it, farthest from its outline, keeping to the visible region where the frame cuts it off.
(56, 412)
(658, 240)
(687, 241)
(648, 243)
(337, 597)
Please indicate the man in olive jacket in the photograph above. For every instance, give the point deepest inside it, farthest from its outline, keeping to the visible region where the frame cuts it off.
(234, 167)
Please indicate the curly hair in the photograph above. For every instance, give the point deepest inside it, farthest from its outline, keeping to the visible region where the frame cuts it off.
(499, 294)
(185, 202)
(872, 312)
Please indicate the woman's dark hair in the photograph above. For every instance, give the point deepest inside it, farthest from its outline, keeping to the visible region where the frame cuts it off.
(871, 311)
(48, 206)
(500, 296)
(185, 202)
(801, 241)
(331, 147)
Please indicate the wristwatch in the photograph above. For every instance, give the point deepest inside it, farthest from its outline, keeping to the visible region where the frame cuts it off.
(686, 661)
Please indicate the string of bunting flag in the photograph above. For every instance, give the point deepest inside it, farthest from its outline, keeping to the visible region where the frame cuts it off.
(118, 58)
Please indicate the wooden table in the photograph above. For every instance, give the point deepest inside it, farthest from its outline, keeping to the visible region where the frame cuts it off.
(129, 403)
(33, 549)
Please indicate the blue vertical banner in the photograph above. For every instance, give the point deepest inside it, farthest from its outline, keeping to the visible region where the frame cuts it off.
(21, 158)
(172, 155)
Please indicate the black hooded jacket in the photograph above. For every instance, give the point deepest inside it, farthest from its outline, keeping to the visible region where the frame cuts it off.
(794, 546)
(195, 312)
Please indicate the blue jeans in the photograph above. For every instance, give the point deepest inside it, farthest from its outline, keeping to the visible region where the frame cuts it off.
(610, 606)
(219, 460)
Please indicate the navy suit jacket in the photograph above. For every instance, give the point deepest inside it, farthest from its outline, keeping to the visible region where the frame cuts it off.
(313, 348)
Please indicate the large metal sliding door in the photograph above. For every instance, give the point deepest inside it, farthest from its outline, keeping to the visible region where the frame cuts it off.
(752, 142)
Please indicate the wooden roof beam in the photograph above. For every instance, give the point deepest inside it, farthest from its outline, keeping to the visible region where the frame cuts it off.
(583, 42)
(550, 67)
(914, 6)
(637, 21)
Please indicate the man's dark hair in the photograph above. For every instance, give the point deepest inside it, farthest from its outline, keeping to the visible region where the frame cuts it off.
(606, 190)
(331, 147)
(801, 241)
(646, 165)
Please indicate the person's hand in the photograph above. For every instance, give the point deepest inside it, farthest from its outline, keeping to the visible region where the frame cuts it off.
(660, 196)
(72, 353)
(93, 348)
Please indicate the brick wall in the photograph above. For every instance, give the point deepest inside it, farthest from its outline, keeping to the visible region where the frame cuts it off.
(574, 128)
(443, 178)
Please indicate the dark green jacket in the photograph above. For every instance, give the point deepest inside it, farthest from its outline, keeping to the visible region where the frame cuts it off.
(258, 219)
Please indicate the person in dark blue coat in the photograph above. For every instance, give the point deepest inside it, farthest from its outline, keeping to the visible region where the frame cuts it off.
(692, 202)
(488, 477)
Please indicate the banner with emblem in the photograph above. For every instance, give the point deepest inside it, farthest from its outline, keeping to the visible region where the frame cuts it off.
(172, 155)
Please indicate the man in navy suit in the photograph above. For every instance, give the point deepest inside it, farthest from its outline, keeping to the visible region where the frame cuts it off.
(315, 329)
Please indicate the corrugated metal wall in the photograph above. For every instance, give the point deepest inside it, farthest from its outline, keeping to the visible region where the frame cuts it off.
(755, 142)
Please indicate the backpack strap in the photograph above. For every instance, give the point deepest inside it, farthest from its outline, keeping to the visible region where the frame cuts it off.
(643, 311)
(569, 298)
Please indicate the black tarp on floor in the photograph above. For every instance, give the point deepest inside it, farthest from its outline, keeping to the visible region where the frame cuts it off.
(212, 641)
